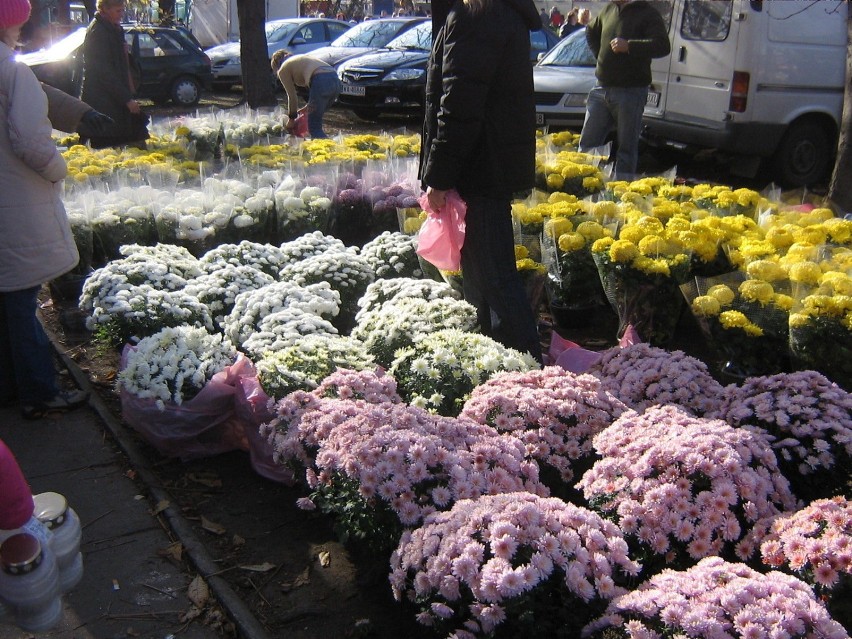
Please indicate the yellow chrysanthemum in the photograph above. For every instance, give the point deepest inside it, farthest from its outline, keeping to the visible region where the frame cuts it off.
(592, 231)
(554, 181)
(653, 246)
(805, 273)
(569, 242)
(605, 209)
(521, 252)
(602, 245)
(768, 270)
(784, 302)
(839, 229)
(706, 306)
(652, 266)
(757, 291)
(735, 319)
(723, 293)
(814, 234)
(557, 226)
(623, 251)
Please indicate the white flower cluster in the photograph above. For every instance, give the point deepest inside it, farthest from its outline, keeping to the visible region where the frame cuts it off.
(306, 363)
(384, 290)
(309, 244)
(393, 254)
(263, 257)
(252, 306)
(218, 289)
(345, 271)
(250, 127)
(176, 258)
(301, 209)
(401, 323)
(284, 328)
(174, 364)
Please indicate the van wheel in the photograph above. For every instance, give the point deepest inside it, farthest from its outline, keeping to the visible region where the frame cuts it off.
(186, 91)
(804, 155)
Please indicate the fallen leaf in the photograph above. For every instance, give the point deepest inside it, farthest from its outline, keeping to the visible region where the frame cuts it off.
(238, 541)
(264, 567)
(131, 474)
(302, 580)
(160, 507)
(324, 558)
(211, 526)
(190, 614)
(198, 592)
(205, 479)
(172, 551)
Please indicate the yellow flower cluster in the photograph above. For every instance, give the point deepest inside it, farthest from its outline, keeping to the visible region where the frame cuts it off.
(736, 319)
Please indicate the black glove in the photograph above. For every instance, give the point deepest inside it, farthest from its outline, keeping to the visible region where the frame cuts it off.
(96, 122)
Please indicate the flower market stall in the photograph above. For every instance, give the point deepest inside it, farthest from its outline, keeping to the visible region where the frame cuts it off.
(267, 297)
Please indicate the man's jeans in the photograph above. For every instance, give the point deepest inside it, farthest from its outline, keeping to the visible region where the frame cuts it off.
(26, 359)
(325, 87)
(490, 276)
(621, 109)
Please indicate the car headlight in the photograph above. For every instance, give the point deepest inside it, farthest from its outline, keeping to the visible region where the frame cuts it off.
(575, 100)
(405, 74)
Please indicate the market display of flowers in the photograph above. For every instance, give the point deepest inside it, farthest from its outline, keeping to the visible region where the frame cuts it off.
(508, 500)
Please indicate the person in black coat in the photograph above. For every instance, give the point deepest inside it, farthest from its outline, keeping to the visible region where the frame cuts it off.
(479, 138)
(108, 78)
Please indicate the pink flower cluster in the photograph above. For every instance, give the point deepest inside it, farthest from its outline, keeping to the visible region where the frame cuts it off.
(468, 564)
(418, 462)
(555, 413)
(716, 599)
(682, 483)
(809, 417)
(815, 542)
(642, 375)
(304, 419)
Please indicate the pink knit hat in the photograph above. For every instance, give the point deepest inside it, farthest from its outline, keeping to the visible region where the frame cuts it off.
(13, 12)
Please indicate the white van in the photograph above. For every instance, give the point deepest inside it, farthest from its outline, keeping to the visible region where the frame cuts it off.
(762, 79)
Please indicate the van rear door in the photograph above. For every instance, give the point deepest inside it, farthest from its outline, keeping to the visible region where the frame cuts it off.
(695, 81)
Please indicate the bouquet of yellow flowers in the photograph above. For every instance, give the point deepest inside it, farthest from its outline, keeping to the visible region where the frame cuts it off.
(641, 272)
(744, 322)
(821, 327)
(570, 172)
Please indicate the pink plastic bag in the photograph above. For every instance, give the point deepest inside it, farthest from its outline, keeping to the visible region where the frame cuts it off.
(301, 125)
(203, 426)
(576, 359)
(441, 237)
(16, 500)
(251, 404)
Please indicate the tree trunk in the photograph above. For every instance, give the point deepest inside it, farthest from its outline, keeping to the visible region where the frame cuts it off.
(258, 88)
(840, 189)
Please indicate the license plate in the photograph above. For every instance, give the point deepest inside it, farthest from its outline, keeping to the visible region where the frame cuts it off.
(353, 90)
(539, 118)
(653, 99)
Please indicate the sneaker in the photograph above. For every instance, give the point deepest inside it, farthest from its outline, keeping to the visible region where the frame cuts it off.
(62, 402)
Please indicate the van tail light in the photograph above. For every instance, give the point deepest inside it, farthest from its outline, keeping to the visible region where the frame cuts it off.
(739, 92)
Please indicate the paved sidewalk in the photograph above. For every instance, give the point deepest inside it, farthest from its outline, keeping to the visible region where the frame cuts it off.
(131, 587)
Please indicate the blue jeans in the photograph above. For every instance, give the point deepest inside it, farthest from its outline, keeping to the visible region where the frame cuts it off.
(26, 358)
(324, 89)
(491, 280)
(621, 109)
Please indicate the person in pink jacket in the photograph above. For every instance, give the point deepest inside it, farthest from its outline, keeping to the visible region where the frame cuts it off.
(36, 244)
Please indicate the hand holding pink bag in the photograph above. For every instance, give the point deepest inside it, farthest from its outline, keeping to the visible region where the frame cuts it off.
(441, 237)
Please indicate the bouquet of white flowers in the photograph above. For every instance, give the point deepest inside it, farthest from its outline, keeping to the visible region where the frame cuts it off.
(393, 254)
(263, 257)
(398, 288)
(219, 289)
(284, 328)
(300, 208)
(309, 244)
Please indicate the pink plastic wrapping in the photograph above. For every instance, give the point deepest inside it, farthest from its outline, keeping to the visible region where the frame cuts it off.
(441, 237)
(576, 359)
(16, 499)
(203, 426)
(251, 404)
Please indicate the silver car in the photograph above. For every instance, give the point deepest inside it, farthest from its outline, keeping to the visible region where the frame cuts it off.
(297, 35)
(563, 78)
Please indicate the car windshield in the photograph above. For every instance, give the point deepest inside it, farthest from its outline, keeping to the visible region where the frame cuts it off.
(373, 33)
(277, 31)
(573, 51)
(420, 38)
(67, 44)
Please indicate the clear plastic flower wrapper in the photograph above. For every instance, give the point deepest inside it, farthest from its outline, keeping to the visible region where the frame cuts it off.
(744, 322)
(571, 172)
(203, 137)
(177, 390)
(303, 203)
(821, 319)
(533, 275)
(511, 565)
(642, 281)
(391, 186)
(123, 217)
(716, 598)
(351, 217)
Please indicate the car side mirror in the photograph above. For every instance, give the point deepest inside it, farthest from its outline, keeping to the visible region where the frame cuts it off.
(540, 56)
(297, 41)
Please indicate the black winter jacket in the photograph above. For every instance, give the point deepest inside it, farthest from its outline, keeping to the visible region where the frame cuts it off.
(479, 130)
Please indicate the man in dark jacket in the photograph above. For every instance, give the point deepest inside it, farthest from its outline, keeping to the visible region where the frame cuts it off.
(624, 37)
(479, 138)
